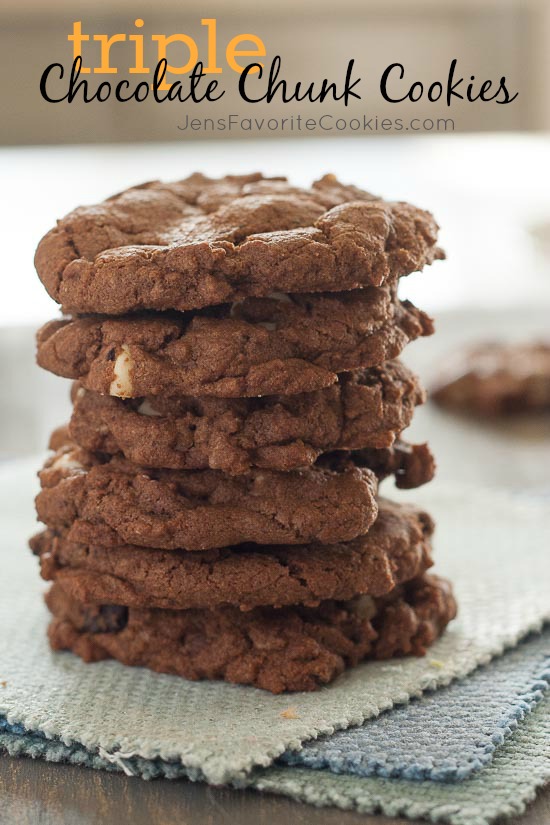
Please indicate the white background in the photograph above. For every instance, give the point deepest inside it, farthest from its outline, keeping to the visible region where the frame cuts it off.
(488, 193)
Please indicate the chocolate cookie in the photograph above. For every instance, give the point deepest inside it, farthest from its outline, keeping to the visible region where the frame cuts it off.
(287, 649)
(200, 242)
(365, 408)
(262, 346)
(412, 464)
(497, 379)
(115, 502)
(396, 549)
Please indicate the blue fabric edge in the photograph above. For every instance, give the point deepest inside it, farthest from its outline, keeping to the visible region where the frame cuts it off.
(19, 741)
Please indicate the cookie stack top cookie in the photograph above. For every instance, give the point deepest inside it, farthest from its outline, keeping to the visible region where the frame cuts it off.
(201, 242)
(236, 403)
(282, 288)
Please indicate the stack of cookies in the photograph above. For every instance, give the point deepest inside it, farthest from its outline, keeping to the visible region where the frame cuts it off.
(212, 508)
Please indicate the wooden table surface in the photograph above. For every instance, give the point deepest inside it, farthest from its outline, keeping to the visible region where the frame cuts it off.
(37, 793)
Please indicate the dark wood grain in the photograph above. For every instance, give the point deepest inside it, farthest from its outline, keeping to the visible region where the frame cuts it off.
(40, 793)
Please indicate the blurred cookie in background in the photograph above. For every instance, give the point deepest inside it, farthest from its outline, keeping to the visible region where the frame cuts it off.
(496, 379)
(540, 233)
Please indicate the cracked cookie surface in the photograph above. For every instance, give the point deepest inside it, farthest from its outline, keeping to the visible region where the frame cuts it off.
(395, 549)
(115, 502)
(261, 346)
(200, 242)
(364, 408)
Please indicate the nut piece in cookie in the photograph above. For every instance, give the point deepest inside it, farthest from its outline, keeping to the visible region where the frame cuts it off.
(363, 409)
(261, 347)
(121, 385)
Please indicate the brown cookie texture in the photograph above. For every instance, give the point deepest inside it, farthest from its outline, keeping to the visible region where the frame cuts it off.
(202, 241)
(412, 464)
(413, 616)
(286, 649)
(497, 379)
(395, 549)
(363, 409)
(113, 501)
(261, 346)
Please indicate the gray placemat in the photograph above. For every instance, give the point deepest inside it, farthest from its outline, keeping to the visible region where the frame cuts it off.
(446, 735)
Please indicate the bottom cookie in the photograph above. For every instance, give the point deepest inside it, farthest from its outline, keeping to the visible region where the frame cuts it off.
(286, 649)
